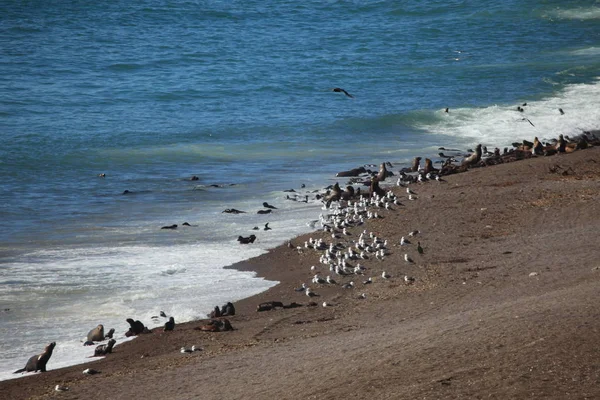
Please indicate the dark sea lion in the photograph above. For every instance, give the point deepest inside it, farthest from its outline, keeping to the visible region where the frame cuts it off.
(38, 362)
(110, 333)
(538, 148)
(561, 111)
(352, 172)
(126, 192)
(169, 325)
(474, 158)
(246, 240)
(267, 227)
(267, 205)
(520, 109)
(186, 224)
(447, 110)
(96, 334)
(227, 309)
(174, 226)
(561, 144)
(415, 164)
(104, 349)
(340, 90)
(269, 305)
(135, 328)
(232, 211)
(348, 193)
(216, 313)
(289, 191)
(194, 178)
(264, 211)
(375, 188)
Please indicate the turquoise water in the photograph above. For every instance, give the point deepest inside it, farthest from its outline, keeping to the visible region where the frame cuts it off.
(239, 94)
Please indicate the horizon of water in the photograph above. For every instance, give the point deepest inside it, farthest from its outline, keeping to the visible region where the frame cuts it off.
(239, 95)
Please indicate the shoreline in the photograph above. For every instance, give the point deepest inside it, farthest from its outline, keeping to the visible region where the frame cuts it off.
(438, 276)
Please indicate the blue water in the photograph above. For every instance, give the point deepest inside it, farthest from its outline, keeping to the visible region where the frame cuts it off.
(239, 94)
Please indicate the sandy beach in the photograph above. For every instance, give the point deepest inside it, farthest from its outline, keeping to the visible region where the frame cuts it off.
(504, 304)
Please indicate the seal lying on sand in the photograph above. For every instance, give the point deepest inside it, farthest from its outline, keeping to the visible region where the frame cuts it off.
(216, 325)
(38, 362)
(269, 305)
(104, 349)
(96, 334)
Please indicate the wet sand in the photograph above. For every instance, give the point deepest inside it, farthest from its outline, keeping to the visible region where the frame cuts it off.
(504, 305)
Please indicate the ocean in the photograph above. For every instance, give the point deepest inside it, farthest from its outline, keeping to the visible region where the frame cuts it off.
(238, 94)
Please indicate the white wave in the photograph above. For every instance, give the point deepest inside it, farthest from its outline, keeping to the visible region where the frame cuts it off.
(500, 125)
(587, 51)
(580, 13)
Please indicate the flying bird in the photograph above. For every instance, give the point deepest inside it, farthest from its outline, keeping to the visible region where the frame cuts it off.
(340, 90)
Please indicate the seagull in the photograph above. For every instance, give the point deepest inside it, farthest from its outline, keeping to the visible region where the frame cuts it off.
(385, 275)
(301, 288)
(90, 371)
(184, 350)
(340, 90)
(419, 248)
(409, 280)
(60, 388)
(410, 197)
(413, 233)
(368, 281)
(348, 285)
(331, 281)
(362, 296)
(407, 258)
(310, 293)
(403, 241)
(318, 279)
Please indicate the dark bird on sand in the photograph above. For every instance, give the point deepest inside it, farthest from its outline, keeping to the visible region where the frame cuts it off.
(340, 90)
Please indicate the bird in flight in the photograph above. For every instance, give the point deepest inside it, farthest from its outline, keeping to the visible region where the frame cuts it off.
(340, 90)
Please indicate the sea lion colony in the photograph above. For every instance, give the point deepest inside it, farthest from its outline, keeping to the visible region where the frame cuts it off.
(346, 257)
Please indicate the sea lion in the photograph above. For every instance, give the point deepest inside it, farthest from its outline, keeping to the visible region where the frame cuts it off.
(174, 226)
(38, 362)
(135, 328)
(429, 167)
(375, 189)
(269, 305)
(227, 309)
(352, 172)
(104, 349)
(340, 90)
(474, 158)
(169, 325)
(264, 211)
(561, 144)
(110, 333)
(216, 313)
(348, 193)
(246, 240)
(232, 211)
(216, 325)
(538, 148)
(415, 164)
(194, 178)
(96, 334)
(383, 173)
(267, 205)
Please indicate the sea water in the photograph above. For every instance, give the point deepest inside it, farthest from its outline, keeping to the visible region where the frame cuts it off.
(237, 93)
